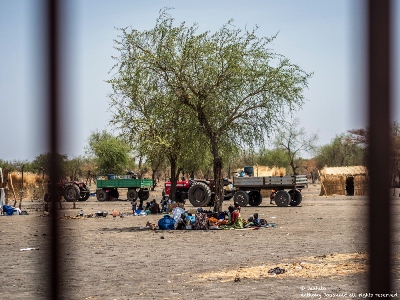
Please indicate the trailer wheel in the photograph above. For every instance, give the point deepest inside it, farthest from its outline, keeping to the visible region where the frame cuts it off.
(282, 198)
(241, 198)
(132, 194)
(296, 197)
(199, 194)
(101, 195)
(143, 195)
(71, 193)
(255, 198)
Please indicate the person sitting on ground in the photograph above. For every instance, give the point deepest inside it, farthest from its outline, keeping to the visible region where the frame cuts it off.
(164, 205)
(181, 224)
(155, 208)
(237, 206)
(236, 219)
(201, 221)
(256, 220)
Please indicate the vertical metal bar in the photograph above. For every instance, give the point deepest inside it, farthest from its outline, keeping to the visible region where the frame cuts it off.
(379, 146)
(53, 126)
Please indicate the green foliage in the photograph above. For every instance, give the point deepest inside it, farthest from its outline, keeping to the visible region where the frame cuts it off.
(111, 153)
(273, 158)
(43, 161)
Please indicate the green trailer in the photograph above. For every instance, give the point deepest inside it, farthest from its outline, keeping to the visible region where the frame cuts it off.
(107, 187)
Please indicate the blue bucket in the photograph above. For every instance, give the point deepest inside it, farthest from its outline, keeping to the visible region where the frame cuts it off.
(111, 176)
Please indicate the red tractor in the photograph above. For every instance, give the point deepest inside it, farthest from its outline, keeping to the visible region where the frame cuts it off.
(70, 190)
(199, 192)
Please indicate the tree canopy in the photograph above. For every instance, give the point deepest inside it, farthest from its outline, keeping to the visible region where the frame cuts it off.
(111, 153)
(234, 88)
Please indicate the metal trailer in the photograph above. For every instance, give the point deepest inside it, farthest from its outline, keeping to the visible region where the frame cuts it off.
(137, 188)
(248, 189)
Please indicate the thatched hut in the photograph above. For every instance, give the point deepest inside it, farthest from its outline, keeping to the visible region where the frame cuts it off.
(347, 181)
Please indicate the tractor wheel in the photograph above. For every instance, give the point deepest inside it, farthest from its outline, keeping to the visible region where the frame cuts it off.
(144, 194)
(241, 198)
(296, 197)
(255, 198)
(199, 194)
(102, 195)
(84, 194)
(71, 192)
(132, 194)
(282, 198)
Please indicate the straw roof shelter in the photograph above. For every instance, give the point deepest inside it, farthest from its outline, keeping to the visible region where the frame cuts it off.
(349, 181)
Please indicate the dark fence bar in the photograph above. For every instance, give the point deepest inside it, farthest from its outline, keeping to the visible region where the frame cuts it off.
(380, 230)
(53, 103)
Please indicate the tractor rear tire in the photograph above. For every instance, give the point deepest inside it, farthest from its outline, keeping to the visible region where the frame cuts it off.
(255, 198)
(132, 195)
(199, 194)
(101, 195)
(296, 197)
(241, 197)
(71, 193)
(282, 198)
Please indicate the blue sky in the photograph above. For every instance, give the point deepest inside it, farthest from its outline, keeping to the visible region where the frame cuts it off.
(324, 37)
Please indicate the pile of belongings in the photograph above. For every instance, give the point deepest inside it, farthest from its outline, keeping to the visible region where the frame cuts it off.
(202, 220)
(9, 210)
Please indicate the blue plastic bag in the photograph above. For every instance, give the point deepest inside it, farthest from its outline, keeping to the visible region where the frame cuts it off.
(9, 210)
(166, 223)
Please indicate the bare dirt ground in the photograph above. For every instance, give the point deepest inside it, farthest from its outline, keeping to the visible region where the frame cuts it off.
(321, 245)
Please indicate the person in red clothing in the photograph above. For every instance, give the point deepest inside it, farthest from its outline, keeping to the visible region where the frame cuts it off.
(234, 214)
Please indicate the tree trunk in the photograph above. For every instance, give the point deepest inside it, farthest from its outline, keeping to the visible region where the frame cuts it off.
(153, 177)
(219, 192)
(140, 166)
(172, 191)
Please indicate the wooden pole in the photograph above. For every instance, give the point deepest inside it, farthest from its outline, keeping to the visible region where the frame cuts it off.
(13, 191)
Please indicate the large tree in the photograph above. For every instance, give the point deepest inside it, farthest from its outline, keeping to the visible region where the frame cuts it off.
(235, 87)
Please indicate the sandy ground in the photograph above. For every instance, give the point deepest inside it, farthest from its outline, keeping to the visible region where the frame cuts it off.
(321, 245)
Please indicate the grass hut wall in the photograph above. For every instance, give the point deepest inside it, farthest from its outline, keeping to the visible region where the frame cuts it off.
(349, 181)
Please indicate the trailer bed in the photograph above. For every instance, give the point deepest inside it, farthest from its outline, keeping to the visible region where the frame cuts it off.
(124, 183)
(270, 182)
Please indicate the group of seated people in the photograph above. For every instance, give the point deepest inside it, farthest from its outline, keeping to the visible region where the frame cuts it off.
(151, 207)
(224, 220)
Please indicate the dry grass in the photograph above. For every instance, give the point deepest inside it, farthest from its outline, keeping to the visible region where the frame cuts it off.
(33, 185)
(331, 265)
(260, 171)
(354, 170)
